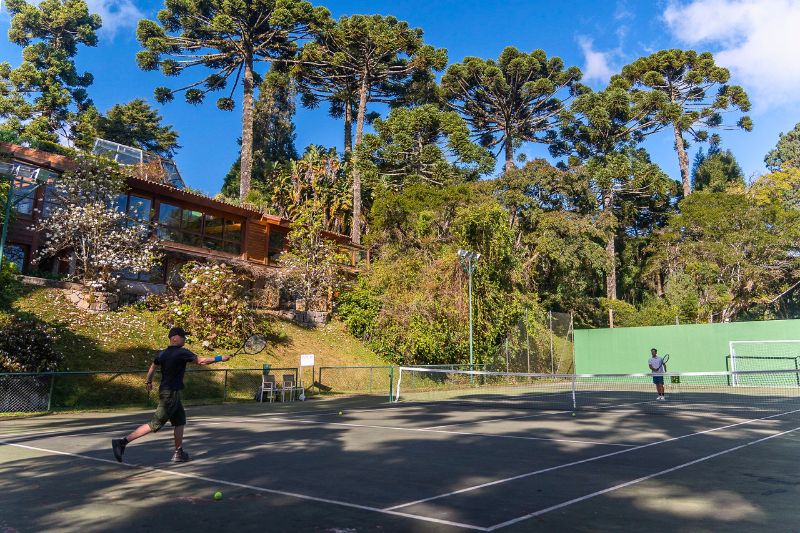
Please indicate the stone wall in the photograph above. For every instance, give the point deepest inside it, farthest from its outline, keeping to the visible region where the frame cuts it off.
(96, 302)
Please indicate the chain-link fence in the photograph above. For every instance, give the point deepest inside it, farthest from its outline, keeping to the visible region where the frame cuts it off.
(369, 380)
(540, 343)
(51, 391)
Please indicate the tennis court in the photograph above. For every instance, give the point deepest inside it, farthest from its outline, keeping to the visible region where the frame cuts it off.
(623, 461)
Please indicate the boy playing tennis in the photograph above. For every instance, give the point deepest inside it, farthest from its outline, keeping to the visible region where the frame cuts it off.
(173, 366)
(657, 366)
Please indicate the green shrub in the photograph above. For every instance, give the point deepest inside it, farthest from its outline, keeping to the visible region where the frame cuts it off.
(26, 345)
(213, 306)
(9, 284)
(358, 309)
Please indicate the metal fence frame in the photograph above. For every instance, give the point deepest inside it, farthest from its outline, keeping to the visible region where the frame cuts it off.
(223, 384)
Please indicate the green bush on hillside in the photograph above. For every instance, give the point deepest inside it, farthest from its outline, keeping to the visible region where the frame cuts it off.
(9, 285)
(26, 345)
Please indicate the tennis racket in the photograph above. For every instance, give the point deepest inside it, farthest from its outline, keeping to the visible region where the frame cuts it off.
(664, 362)
(253, 345)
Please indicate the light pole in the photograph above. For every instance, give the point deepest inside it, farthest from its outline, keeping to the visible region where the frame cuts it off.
(468, 261)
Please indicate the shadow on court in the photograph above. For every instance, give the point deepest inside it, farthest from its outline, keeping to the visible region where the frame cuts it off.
(304, 467)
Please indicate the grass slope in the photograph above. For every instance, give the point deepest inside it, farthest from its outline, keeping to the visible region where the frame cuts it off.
(128, 338)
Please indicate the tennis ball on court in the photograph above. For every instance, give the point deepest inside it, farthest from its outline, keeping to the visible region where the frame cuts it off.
(573, 414)
(340, 413)
(218, 495)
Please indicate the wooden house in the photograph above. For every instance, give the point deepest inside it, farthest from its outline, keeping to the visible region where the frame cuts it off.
(189, 225)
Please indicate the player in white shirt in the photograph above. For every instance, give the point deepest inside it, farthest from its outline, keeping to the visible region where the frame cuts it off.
(657, 366)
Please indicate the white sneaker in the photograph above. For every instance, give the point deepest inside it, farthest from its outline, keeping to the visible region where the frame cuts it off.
(660, 398)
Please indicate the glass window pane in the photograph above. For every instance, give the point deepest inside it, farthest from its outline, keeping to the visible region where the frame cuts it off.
(23, 197)
(192, 221)
(212, 244)
(139, 208)
(214, 226)
(232, 248)
(277, 240)
(169, 234)
(233, 231)
(169, 215)
(15, 254)
(191, 239)
(50, 199)
(122, 203)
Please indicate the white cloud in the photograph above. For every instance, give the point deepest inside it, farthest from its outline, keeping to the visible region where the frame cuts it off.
(116, 14)
(597, 66)
(758, 40)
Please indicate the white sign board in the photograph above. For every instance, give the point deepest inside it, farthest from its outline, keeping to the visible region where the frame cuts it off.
(307, 359)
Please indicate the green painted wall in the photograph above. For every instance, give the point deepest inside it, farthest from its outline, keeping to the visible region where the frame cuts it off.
(692, 347)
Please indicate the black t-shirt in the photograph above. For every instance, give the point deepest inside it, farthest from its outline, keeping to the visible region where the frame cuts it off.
(173, 365)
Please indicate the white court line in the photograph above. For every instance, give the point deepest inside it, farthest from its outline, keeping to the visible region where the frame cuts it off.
(635, 481)
(465, 433)
(538, 415)
(581, 461)
(251, 487)
(64, 433)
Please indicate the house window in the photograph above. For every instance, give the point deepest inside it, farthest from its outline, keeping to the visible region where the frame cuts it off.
(49, 201)
(15, 254)
(137, 208)
(195, 228)
(277, 244)
(23, 197)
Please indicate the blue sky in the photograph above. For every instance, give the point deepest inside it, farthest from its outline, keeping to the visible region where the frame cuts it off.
(757, 39)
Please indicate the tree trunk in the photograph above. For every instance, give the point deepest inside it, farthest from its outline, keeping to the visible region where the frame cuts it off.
(348, 128)
(683, 161)
(246, 167)
(355, 234)
(509, 154)
(611, 258)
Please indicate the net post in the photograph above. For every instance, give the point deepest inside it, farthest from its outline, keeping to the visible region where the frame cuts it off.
(797, 374)
(225, 387)
(391, 383)
(732, 353)
(574, 384)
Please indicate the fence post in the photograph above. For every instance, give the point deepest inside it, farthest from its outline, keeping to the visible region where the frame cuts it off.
(370, 380)
(225, 387)
(50, 396)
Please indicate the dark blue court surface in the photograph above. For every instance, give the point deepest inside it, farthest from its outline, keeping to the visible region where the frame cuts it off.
(406, 467)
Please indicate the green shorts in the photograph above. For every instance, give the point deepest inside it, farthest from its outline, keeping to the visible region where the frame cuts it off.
(169, 408)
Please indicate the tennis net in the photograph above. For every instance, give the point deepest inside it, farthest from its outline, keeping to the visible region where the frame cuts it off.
(751, 391)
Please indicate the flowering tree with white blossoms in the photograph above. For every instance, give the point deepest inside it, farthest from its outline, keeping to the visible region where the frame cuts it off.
(214, 305)
(86, 222)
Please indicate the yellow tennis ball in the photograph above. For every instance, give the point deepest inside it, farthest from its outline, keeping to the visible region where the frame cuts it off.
(340, 413)
(573, 414)
(218, 495)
